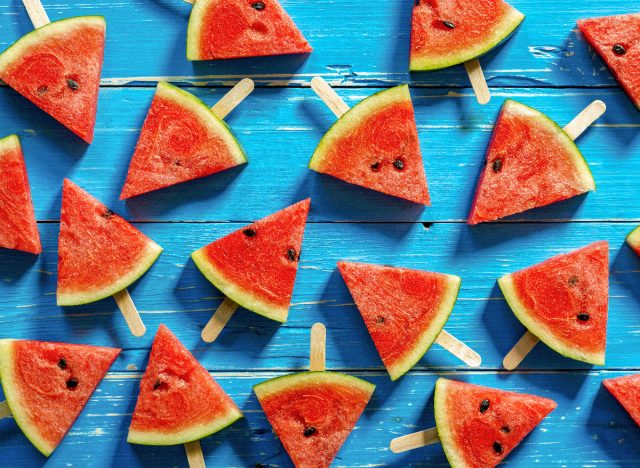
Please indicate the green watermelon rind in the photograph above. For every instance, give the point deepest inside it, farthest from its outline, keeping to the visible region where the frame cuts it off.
(445, 431)
(539, 330)
(510, 23)
(11, 142)
(301, 379)
(633, 238)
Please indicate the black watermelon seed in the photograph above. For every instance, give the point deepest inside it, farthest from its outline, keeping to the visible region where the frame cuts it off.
(108, 213)
(177, 162)
(157, 385)
(497, 165)
(497, 447)
(73, 84)
(249, 232)
(484, 405)
(375, 166)
(258, 6)
(291, 255)
(583, 316)
(619, 49)
(449, 24)
(72, 383)
(417, 2)
(505, 429)
(398, 164)
(43, 90)
(309, 431)
(573, 280)
(380, 319)
(62, 363)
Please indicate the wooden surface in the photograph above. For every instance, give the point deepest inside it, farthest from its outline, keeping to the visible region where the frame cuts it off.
(359, 48)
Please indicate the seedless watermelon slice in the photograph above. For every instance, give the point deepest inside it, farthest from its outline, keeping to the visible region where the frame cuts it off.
(633, 239)
(57, 67)
(226, 29)
(627, 391)
(47, 385)
(18, 228)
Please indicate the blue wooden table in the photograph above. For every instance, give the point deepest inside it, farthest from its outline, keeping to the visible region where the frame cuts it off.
(360, 47)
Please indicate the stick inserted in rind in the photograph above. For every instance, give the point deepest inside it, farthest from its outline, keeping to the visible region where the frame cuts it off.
(235, 96)
(458, 349)
(520, 351)
(130, 313)
(318, 348)
(36, 13)
(415, 440)
(584, 119)
(194, 454)
(5, 412)
(329, 96)
(478, 82)
(224, 313)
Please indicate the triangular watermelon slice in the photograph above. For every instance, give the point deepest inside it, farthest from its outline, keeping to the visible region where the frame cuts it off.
(18, 227)
(226, 29)
(57, 67)
(375, 145)
(617, 41)
(450, 32)
(627, 391)
(531, 162)
(256, 266)
(179, 401)
(404, 310)
(182, 139)
(480, 426)
(633, 239)
(99, 253)
(564, 301)
(47, 385)
(313, 413)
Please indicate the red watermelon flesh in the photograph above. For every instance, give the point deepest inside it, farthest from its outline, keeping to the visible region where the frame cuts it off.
(47, 385)
(531, 162)
(179, 401)
(182, 139)
(99, 253)
(256, 266)
(313, 413)
(375, 145)
(627, 391)
(617, 41)
(226, 29)
(18, 228)
(404, 310)
(57, 67)
(480, 426)
(564, 301)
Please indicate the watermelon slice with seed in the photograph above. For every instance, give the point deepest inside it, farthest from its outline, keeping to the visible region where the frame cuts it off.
(531, 162)
(633, 239)
(18, 227)
(375, 145)
(564, 301)
(450, 32)
(182, 139)
(179, 401)
(627, 391)
(480, 426)
(313, 413)
(256, 266)
(99, 253)
(47, 385)
(404, 310)
(57, 67)
(227, 29)
(617, 40)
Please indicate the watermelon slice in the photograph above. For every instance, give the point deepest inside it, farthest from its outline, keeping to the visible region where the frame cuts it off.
(633, 239)
(47, 385)
(179, 401)
(480, 426)
(564, 301)
(627, 391)
(57, 67)
(226, 29)
(404, 310)
(450, 32)
(313, 413)
(531, 162)
(182, 139)
(18, 228)
(617, 41)
(99, 253)
(375, 145)
(256, 266)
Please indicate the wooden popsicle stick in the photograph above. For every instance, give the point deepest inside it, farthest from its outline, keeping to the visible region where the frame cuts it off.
(458, 349)
(318, 348)
(36, 13)
(5, 412)
(190, 1)
(234, 97)
(220, 318)
(194, 454)
(415, 440)
(329, 96)
(520, 351)
(584, 119)
(478, 82)
(130, 313)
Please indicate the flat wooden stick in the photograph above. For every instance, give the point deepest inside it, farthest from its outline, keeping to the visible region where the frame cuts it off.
(190, 1)
(329, 96)
(36, 13)
(478, 83)
(458, 349)
(415, 440)
(584, 119)
(520, 351)
(318, 348)
(235, 96)
(5, 412)
(131, 315)
(224, 313)
(194, 454)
